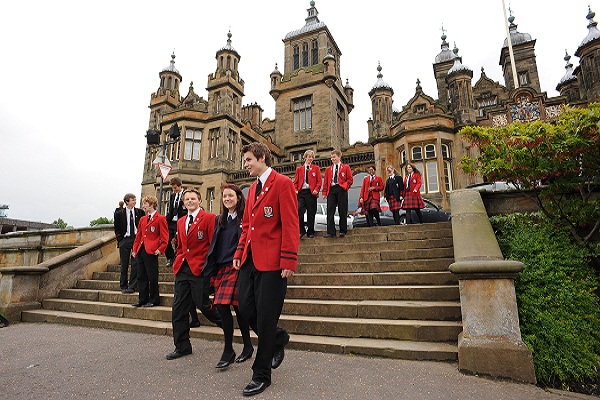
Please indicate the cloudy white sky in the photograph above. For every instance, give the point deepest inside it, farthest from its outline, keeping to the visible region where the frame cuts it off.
(77, 75)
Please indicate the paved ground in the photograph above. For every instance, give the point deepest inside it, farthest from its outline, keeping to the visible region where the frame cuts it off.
(46, 361)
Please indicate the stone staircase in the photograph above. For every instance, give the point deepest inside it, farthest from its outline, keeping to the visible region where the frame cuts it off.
(381, 291)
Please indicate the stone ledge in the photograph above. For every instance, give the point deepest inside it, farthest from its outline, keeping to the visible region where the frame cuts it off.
(24, 270)
(486, 269)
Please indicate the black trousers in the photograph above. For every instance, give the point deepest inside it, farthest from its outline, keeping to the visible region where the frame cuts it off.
(261, 296)
(409, 219)
(307, 203)
(169, 252)
(373, 213)
(125, 246)
(337, 197)
(189, 289)
(148, 277)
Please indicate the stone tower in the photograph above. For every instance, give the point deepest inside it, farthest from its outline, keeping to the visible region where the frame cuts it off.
(568, 85)
(441, 65)
(311, 103)
(524, 53)
(460, 100)
(588, 71)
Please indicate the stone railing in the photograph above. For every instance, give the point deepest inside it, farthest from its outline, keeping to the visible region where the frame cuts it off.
(490, 343)
(67, 256)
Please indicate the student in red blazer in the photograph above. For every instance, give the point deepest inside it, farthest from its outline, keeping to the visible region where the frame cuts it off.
(150, 241)
(412, 193)
(194, 234)
(266, 256)
(307, 191)
(338, 180)
(370, 195)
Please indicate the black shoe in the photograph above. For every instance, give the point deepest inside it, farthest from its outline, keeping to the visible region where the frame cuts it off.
(302, 235)
(177, 354)
(342, 234)
(169, 263)
(278, 357)
(127, 291)
(245, 355)
(222, 364)
(311, 235)
(255, 388)
(327, 236)
(138, 304)
(195, 324)
(150, 305)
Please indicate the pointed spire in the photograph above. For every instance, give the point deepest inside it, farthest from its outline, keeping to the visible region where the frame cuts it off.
(418, 89)
(228, 46)
(347, 84)
(380, 84)
(568, 76)
(171, 66)
(312, 23)
(515, 36)
(458, 65)
(593, 32)
(446, 54)
(276, 70)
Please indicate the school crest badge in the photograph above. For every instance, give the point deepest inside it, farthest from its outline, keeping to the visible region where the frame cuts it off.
(200, 235)
(268, 212)
(152, 229)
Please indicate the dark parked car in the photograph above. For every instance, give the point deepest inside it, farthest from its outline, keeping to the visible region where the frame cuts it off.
(431, 213)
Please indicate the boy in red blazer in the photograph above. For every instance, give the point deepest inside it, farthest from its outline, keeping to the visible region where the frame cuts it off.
(307, 183)
(150, 241)
(370, 195)
(194, 234)
(266, 256)
(337, 182)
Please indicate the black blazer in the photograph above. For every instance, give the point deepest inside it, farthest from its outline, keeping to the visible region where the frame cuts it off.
(210, 264)
(120, 221)
(394, 186)
(180, 211)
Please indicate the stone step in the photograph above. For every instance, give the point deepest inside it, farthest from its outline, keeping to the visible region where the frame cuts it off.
(375, 279)
(388, 309)
(402, 228)
(400, 349)
(423, 292)
(391, 309)
(345, 266)
(375, 237)
(115, 276)
(353, 255)
(371, 247)
(95, 284)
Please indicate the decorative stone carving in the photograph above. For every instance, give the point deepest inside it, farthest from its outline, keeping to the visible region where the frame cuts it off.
(553, 111)
(525, 110)
(499, 120)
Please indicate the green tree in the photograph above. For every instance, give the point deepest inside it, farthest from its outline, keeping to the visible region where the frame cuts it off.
(557, 164)
(100, 221)
(59, 223)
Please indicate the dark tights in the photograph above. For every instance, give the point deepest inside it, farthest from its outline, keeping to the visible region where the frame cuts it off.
(227, 320)
(409, 215)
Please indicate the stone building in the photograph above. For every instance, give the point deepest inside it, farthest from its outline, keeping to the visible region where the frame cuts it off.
(313, 106)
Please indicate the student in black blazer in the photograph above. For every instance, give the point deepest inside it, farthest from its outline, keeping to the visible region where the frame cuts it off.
(394, 186)
(175, 211)
(219, 266)
(126, 221)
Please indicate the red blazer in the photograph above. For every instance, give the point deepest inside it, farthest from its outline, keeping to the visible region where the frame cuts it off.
(415, 185)
(345, 179)
(364, 190)
(270, 226)
(154, 234)
(314, 179)
(193, 246)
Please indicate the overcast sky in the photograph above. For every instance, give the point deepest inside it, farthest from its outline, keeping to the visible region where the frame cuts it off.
(77, 75)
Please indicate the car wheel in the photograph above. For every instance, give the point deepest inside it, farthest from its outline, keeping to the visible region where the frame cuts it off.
(403, 220)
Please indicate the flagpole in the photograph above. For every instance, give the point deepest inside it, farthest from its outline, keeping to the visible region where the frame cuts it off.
(510, 49)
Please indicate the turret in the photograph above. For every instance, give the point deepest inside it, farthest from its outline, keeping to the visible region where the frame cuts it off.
(381, 106)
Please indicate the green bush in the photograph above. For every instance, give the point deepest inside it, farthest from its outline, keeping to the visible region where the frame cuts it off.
(558, 307)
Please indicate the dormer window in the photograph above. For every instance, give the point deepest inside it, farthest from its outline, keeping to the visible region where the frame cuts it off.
(420, 108)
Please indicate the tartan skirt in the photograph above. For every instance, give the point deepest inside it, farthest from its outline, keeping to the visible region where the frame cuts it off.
(412, 200)
(394, 203)
(371, 204)
(225, 284)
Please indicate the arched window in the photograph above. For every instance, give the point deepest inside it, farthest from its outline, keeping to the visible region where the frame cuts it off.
(315, 52)
(305, 54)
(445, 151)
(430, 151)
(417, 153)
(296, 57)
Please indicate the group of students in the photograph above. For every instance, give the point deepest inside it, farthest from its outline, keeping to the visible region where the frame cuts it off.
(400, 193)
(246, 254)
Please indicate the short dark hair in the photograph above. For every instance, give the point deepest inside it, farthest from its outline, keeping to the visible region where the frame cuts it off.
(259, 150)
(175, 181)
(192, 190)
(337, 152)
(128, 196)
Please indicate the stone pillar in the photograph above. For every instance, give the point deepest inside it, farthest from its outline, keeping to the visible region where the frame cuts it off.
(19, 287)
(490, 343)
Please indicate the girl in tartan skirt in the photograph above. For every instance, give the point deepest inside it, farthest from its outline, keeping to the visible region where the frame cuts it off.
(393, 191)
(369, 196)
(412, 193)
(224, 278)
